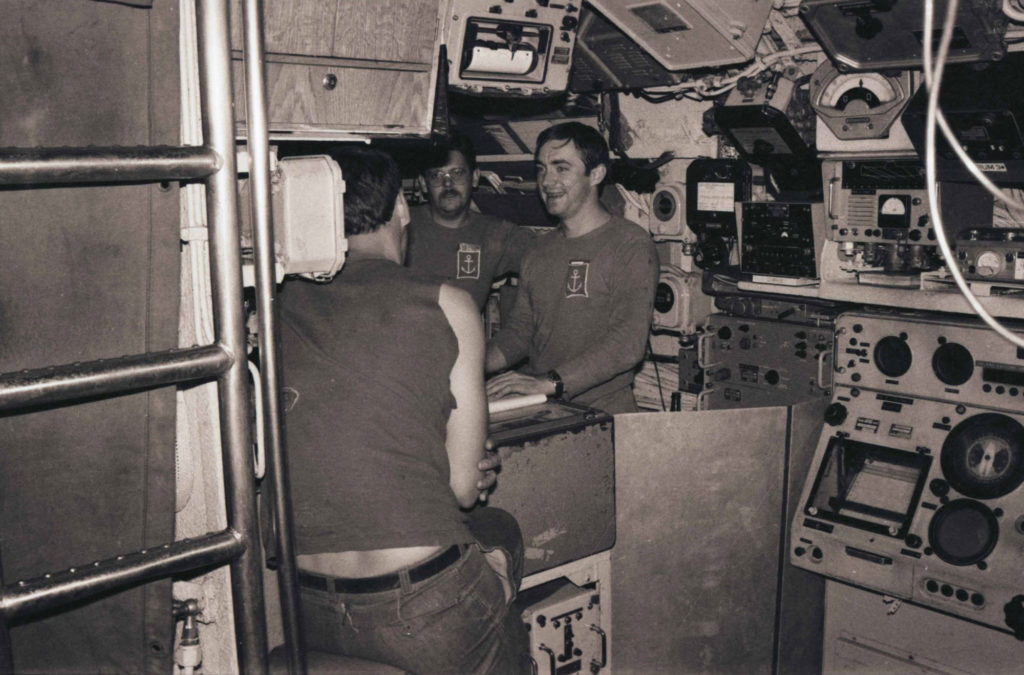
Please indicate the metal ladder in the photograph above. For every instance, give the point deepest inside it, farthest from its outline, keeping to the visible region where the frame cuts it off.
(225, 360)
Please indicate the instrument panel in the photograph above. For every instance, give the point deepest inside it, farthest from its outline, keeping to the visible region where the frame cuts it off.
(751, 362)
(929, 358)
(915, 489)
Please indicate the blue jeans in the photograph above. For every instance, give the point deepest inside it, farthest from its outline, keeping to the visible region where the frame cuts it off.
(456, 621)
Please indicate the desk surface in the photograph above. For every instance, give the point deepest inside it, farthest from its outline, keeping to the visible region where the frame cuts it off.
(536, 421)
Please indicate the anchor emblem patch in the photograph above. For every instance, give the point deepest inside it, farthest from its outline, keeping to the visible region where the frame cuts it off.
(576, 279)
(468, 262)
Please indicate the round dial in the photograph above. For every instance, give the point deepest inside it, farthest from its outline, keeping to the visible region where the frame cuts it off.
(983, 456)
(853, 92)
(989, 264)
(894, 206)
(893, 356)
(953, 363)
(963, 532)
(856, 106)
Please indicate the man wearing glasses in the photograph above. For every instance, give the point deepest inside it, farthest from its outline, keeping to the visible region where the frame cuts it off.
(450, 241)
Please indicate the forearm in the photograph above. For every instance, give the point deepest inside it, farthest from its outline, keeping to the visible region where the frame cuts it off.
(617, 352)
(512, 342)
(467, 422)
(467, 433)
(495, 360)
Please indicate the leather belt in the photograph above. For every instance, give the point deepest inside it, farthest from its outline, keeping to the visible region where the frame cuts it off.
(383, 582)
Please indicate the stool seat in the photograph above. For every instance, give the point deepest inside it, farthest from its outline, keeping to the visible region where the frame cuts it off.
(325, 663)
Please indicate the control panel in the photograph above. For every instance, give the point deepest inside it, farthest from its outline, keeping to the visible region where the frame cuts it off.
(915, 487)
(713, 188)
(878, 209)
(564, 625)
(991, 254)
(780, 238)
(926, 357)
(750, 362)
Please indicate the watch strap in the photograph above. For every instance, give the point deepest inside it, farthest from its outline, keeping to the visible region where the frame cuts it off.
(553, 376)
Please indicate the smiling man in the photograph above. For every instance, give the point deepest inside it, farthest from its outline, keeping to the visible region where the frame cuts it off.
(586, 292)
(450, 241)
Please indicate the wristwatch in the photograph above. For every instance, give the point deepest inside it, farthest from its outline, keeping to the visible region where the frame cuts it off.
(554, 377)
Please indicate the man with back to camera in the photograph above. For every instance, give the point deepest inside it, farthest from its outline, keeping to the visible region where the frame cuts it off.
(586, 292)
(449, 240)
(386, 426)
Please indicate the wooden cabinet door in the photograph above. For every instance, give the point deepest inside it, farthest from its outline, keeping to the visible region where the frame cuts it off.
(299, 27)
(386, 30)
(336, 68)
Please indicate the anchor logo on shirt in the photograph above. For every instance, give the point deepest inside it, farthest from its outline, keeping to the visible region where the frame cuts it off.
(576, 279)
(467, 262)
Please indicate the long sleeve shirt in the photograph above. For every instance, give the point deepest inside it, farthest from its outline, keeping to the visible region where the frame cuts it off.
(469, 257)
(584, 309)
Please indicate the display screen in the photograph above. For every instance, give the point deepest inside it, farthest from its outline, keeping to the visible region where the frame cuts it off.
(869, 486)
(1002, 375)
(716, 196)
(976, 133)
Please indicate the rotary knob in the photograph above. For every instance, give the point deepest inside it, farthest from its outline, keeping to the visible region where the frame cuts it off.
(1013, 611)
(836, 414)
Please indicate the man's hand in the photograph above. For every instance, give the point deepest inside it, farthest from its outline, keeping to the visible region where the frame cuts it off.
(512, 382)
(489, 466)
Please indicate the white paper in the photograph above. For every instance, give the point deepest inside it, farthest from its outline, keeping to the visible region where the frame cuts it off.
(515, 402)
(488, 61)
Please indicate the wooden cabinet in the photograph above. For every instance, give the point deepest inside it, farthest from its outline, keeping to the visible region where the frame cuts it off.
(338, 68)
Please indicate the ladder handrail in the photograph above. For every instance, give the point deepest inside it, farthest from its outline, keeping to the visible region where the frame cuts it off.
(122, 375)
(63, 165)
(258, 137)
(31, 597)
(212, 24)
(239, 543)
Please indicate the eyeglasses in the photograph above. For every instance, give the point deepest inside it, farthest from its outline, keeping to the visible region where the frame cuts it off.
(438, 175)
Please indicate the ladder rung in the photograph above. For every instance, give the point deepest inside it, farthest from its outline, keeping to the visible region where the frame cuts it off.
(87, 379)
(47, 166)
(31, 597)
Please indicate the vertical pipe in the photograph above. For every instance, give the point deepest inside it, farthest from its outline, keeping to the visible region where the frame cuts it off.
(6, 654)
(229, 323)
(263, 226)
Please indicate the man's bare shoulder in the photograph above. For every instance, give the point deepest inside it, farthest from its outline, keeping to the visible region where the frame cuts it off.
(457, 303)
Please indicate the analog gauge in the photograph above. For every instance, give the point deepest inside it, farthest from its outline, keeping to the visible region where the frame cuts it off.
(893, 206)
(894, 211)
(858, 93)
(858, 105)
(989, 264)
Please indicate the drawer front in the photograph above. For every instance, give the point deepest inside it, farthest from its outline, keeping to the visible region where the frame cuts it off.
(397, 31)
(361, 100)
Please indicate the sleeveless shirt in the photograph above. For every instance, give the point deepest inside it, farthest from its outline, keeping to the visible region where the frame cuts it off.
(366, 364)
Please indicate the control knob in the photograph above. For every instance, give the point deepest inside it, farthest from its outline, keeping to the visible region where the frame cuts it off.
(1014, 613)
(836, 414)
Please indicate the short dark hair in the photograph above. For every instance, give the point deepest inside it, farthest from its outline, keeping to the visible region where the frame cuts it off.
(372, 185)
(587, 140)
(456, 142)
